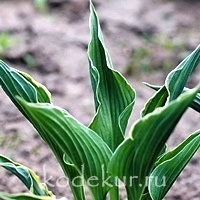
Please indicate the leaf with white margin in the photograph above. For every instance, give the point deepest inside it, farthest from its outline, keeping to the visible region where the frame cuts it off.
(114, 97)
(137, 155)
(170, 165)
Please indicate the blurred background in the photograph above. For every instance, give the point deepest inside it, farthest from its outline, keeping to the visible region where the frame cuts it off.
(48, 39)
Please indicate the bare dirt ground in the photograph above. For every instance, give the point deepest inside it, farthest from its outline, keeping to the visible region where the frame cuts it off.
(51, 46)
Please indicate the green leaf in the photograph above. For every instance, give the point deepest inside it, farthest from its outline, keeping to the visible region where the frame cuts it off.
(16, 83)
(158, 100)
(177, 78)
(23, 196)
(174, 84)
(170, 166)
(82, 146)
(154, 87)
(72, 173)
(194, 105)
(137, 154)
(26, 175)
(113, 96)
(43, 95)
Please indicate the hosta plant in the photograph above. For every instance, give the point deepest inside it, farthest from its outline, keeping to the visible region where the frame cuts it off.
(100, 152)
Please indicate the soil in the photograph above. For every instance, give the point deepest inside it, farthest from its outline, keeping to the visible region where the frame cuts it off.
(51, 47)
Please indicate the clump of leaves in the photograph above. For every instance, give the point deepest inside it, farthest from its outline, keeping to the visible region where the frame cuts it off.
(141, 160)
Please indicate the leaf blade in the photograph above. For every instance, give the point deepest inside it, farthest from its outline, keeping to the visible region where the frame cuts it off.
(81, 145)
(195, 105)
(174, 84)
(145, 143)
(16, 83)
(26, 175)
(177, 78)
(113, 96)
(170, 166)
(157, 100)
